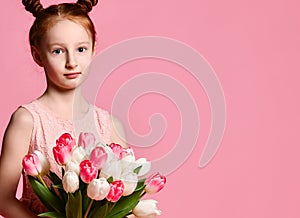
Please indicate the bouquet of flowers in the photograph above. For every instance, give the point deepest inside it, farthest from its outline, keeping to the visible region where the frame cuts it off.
(96, 181)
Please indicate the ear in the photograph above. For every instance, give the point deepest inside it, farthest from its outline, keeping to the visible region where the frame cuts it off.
(36, 56)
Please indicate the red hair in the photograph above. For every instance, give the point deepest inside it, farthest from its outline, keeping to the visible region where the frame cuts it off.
(48, 17)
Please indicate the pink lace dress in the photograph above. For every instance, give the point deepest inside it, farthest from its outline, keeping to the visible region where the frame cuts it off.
(47, 127)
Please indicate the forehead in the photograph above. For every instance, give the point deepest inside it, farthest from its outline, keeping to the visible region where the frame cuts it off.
(66, 31)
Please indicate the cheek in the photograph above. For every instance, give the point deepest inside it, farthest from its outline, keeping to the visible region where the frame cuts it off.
(85, 61)
(56, 62)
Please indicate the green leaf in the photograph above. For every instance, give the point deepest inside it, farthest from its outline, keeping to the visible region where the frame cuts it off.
(54, 178)
(57, 184)
(74, 205)
(98, 210)
(140, 185)
(85, 200)
(125, 205)
(138, 169)
(50, 200)
(52, 215)
(110, 179)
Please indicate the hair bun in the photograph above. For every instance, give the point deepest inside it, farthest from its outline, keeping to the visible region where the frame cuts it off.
(33, 6)
(87, 5)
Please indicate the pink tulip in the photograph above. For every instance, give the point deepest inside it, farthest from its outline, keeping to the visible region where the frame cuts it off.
(45, 164)
(119, 151)
(116, 191)
(98, 157)
(66, 139)
(88, 171)
(155, 183)
(32, 165)
(86, 140)
(62, 153)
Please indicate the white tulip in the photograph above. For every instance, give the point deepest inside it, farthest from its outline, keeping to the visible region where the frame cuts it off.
(112, 168)
(78, 154)
(45, 164)
(130, 181)
(145, 166)
(73, 166)
(98, 189)
(70, 182)
(146, 209)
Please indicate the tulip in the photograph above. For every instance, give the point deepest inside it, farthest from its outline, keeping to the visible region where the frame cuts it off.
(116, 191)
(98, 189)
(98, 157)
(144, 164)
(86, 140)
(78, 154)
(155, 183)
(70, 182)
(32, 165)
(128, 163)
(146, 209)
(112, 168)
(45, 164)
(62, 153)
(63, 150)
(66, 139)
(130, 181)
(88, 171)
(73, 166)
(119, 151)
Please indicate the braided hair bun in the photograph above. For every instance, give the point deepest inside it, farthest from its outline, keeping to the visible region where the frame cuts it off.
(87, 5)
(33, 6)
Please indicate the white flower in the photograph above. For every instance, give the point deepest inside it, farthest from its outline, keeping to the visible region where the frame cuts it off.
(145, 166)
(78, 154)
(112, 168)
(73, 166)
(44, 163)
(127, 162)
(70, 182)
(98, 189)
(146, 209)
(130, 181)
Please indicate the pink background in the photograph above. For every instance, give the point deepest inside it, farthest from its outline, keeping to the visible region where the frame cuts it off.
(252, 46)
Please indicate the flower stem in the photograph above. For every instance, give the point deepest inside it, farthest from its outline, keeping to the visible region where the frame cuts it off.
(42, 181)
(88, 209)
(106, 207)
(110, 206)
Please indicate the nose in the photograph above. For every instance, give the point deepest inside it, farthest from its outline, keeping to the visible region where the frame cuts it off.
(71, 62)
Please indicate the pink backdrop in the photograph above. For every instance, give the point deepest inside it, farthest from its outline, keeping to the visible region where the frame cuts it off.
(253, 47)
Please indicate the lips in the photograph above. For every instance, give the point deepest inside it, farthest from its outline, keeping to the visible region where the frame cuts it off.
(72, 75)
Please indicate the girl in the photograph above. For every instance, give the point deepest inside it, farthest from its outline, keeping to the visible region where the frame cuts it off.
(62, 40)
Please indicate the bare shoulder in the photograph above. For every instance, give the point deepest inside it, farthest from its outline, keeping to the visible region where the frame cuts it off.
(22, 116)
(21, 123)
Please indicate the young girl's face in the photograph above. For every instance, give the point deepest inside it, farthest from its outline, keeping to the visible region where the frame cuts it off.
(66, 51)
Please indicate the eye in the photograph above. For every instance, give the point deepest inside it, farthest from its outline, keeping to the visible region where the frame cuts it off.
(82, 49)
(57, 51)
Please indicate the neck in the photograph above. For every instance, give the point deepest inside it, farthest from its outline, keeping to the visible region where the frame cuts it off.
(65, 102)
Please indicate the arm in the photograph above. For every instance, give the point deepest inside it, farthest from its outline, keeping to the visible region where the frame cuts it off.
(117, 134)
(14, 147)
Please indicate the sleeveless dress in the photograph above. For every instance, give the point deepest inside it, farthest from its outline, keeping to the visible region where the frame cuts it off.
(47, 127)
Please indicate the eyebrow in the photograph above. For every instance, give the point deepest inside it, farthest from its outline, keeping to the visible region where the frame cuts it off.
(63, 44)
